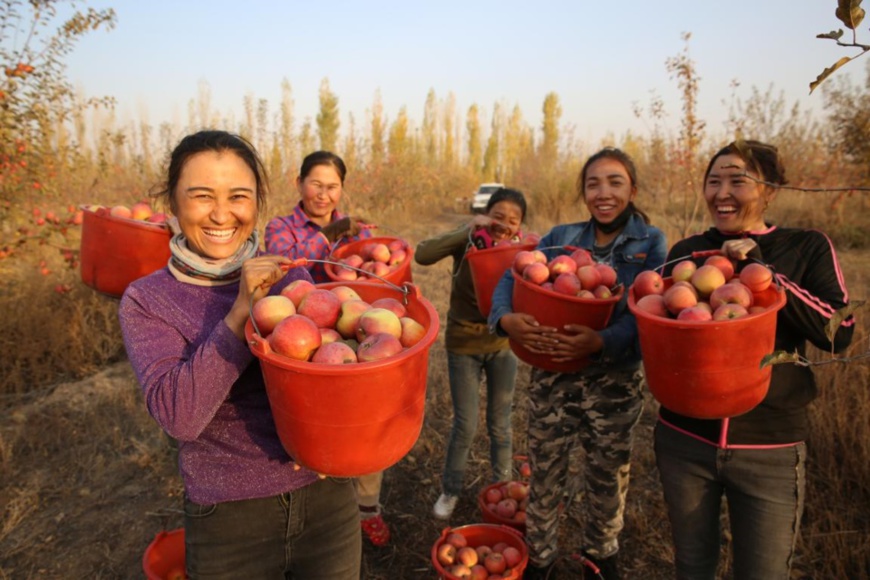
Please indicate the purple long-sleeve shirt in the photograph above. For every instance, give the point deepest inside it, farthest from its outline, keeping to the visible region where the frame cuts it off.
(205, 388)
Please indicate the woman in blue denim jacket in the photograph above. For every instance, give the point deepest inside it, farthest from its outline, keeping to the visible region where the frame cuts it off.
(598, 406)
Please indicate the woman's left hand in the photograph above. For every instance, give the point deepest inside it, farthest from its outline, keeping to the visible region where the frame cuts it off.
(577, 342)
(738, 249)
(258, 275)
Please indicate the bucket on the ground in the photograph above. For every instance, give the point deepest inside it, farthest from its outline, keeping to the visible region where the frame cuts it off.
(398, 276)
(488, 266)
(350, 420)
(484, 535)
(555, 309)
(116, 251)
(711, 369)
(491, 517)
(164, 556)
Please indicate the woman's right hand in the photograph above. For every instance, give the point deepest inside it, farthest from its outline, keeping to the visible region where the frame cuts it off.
(258, 275)
(738, 249)
(524, 329)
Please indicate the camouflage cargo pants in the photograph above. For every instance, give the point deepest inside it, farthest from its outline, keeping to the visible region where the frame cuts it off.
(598, 412)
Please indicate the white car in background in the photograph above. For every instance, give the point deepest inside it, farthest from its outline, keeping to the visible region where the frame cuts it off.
(482, 195)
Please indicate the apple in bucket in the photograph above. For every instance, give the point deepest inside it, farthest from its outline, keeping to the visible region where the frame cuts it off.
(296, 337)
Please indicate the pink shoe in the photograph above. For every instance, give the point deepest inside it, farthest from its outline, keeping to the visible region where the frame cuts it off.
(376, 530)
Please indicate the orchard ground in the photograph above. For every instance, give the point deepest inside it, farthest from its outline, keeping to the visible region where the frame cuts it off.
(89, 478)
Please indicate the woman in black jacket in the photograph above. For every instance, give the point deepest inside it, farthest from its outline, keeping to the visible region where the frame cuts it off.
(756, 460)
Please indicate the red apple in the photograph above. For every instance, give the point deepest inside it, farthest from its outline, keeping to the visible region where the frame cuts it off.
(654, 304)
(269, 311)
(397, 244)
(479, 572)
(412, 332)
(525, 469)
(378, 320)
(512, 556)
(757, 277)
(378, 346)
(296, 337)
(723, 263)
(353, 260)
(695, 314)
(141, 211)
(683, 271)
(648, 282)
(154, 218)
(602, 292)
(346, 274)
(732, 292)
(526, 257)
(446, 554)
(328, 335)
(729, 311)
(561, 265)
(517, 490)
(506, 508)
(567, 283)
(582, 257)
(590, 277)
(495, 563)
(482, 552)
(297, 290)
(380, 253)
(460, 571)
(608, 275)
(707, 278)
(467, 555)
(397, 257)
(679, 297)
(348, 317)
(321, 306)
(499, 547)
(492, 495)
(334, 353)
(121, 211)
(536, 273)
(456, 539)
(345, 293)
(392, 305)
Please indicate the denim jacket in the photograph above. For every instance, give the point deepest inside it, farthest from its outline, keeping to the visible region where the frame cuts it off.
(638, 247)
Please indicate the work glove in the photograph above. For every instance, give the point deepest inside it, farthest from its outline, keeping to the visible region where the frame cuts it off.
(346, 226)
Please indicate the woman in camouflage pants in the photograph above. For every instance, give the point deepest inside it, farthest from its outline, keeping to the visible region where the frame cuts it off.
(598, 406)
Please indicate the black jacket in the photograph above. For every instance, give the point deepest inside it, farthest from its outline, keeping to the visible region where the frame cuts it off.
(806, 265)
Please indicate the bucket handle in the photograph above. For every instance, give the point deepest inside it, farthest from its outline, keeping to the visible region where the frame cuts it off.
(405, 290)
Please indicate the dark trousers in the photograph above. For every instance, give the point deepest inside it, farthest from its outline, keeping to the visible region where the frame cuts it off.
(312, 533)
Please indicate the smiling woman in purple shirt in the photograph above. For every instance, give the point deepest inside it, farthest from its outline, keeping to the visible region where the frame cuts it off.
(250, 512)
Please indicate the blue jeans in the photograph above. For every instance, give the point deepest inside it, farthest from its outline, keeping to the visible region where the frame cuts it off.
(464, 371)
(310, 533)
(764, 489)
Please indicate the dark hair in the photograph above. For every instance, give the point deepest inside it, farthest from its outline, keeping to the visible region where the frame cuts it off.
(219, 142)
(617, 155)
(761, 158)
(511, 195)
(312, 160)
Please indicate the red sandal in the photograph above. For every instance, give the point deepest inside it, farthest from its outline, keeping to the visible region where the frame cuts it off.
(376, 530)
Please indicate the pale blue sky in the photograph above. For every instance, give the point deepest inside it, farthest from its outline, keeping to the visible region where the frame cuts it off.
(598, 56)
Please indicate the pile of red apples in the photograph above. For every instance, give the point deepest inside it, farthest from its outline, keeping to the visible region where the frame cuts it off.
(507, 500)
(140, 211)
(334, 326)
(499, 561)
(575, 274)
(710, 292)
(375, 259)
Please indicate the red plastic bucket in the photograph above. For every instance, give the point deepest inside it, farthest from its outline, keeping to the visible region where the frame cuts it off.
(164, 556)
(399, 276)
(555, 309)
(488, 266)
(491, 517)
(711, 369)
(115, 251)
(484, 535)
(350, 420)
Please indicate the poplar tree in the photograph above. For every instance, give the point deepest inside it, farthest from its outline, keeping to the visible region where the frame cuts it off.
(552, 110)
(472, 127)
(328, 117)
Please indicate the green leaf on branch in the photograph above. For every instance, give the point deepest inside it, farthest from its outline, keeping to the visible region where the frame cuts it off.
(779, 357)
(828, 72)
(839, 316)
(850, 13)
(833, 35)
